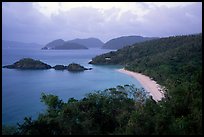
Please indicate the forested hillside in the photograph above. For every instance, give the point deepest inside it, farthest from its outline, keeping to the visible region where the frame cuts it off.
(176, 63)
(163, 59)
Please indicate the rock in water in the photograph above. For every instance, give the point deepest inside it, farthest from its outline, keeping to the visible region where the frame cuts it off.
(60, 67)
(28, 63)
(76, 67)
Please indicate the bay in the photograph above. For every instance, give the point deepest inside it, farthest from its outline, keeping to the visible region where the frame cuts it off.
(21, 89)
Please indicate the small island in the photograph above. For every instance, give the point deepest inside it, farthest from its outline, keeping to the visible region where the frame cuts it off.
(29, 63)
(71, 67)
(60, 44)
(76, 67)
(60, 67)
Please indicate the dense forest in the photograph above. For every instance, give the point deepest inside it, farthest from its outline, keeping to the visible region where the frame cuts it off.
(169, 61)
(174, 62)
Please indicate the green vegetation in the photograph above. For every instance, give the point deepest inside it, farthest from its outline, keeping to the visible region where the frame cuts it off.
(60, 67)
(174, 62)
(75, 67)
(9, 130)
(28, 63)
(100, 112)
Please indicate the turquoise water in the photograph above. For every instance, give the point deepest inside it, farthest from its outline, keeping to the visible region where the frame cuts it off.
(21, 89)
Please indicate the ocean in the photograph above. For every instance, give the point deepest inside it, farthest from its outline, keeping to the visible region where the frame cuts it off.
(21, 89)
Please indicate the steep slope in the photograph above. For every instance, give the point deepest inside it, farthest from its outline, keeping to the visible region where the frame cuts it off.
(118, 43)
(89, 42)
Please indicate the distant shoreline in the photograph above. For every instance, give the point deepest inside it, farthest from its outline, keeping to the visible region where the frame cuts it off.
(151, 86)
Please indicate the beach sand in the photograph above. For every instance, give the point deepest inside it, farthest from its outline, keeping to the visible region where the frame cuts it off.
(148, 84)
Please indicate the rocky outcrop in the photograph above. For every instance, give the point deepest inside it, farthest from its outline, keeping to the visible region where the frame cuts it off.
(76, 67)
(28, 63)
(60, 67)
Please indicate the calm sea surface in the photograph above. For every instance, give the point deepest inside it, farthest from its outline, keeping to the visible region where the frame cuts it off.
(21, 89)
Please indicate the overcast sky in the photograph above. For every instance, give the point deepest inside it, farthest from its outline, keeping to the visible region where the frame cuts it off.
(46, 21)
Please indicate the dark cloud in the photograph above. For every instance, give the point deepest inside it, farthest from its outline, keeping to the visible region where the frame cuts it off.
(23, 22)
(166, 21)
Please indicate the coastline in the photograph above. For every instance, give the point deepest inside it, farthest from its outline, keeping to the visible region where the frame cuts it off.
(149, 85)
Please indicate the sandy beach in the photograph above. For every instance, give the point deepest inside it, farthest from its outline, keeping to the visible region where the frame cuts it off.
(148, 84)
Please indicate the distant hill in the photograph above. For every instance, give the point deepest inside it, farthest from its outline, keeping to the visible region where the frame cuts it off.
(120, 42)
(53, 44)
(68, 45)
(79, 43)
(18, 45)
(89, 42)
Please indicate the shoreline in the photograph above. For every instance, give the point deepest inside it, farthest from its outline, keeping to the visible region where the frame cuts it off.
(149, 85)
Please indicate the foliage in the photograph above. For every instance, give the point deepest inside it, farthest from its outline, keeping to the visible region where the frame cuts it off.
(176, 63)
(9, 130)
(75, 67)
(28, 63)
(101, 112)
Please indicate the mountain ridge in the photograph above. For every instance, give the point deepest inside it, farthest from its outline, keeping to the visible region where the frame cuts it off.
(123, 41)
(78, 42)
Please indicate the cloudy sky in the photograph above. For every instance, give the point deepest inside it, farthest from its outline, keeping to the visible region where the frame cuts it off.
(43, 22)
